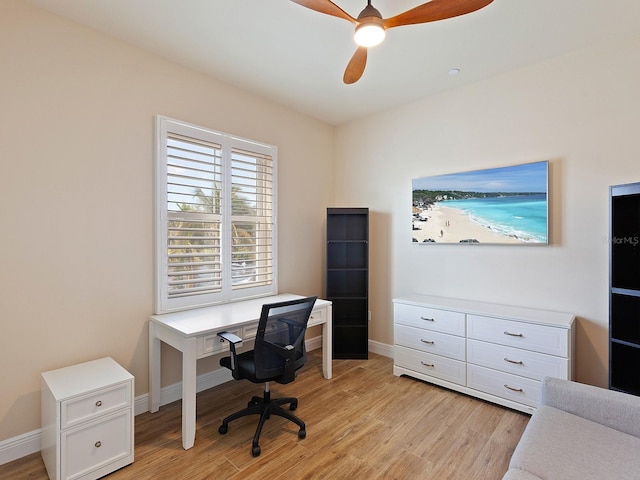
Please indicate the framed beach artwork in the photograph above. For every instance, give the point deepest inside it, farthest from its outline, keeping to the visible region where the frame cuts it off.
(506, 205)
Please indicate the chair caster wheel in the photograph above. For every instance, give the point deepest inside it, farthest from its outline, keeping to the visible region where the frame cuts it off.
(255, 451)
(293, 406)
(302, 433)
(223, 429)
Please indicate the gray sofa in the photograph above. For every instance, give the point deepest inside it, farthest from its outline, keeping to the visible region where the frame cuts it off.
(579, 432)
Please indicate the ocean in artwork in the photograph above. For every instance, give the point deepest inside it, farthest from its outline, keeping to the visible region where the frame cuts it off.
(520, 216)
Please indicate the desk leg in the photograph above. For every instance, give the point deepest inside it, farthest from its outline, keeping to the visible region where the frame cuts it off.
(189, 394)
(154, 369)
(327, 352)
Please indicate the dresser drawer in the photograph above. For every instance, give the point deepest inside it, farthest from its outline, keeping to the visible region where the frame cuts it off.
(433, 365)
(529, 336)
(430, 318)
(211, 344)
(95, 404)
(429, 341)
(513, 360)
(90, 447)
(504, 385)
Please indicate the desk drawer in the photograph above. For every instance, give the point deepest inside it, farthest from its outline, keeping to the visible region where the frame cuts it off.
(317, 317)
(504, 385)
(430, 318)
(517, 361)
(95, 404)
(250, 331)
(212, 344)
(529, 336)
(434, 365)
(429, 341)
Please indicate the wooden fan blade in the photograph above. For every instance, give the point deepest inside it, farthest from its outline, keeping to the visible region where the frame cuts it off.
(326, 6)
(356, 65)
(435, 10)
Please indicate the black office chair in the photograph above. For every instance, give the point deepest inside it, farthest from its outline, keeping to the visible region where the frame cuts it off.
(278, 352)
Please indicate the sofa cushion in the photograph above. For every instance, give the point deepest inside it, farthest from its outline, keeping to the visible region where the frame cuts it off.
(559, 445)
(517, 474)
(607, 407)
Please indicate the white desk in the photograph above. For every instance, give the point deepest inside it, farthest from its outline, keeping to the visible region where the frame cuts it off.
(194, 333)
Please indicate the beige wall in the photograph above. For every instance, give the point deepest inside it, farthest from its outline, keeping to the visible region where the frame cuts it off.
(580, 112)
(76, 160)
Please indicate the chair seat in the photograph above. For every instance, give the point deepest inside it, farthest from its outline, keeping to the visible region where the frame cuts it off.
(246, 368)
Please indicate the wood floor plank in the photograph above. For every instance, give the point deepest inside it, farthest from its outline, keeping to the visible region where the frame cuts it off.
(365, 423)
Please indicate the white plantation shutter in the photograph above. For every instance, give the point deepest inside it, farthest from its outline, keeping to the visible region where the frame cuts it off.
(194, 188)
(215, 217)
(252, 219)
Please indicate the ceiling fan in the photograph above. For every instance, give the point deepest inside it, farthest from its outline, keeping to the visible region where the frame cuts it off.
(370, 26)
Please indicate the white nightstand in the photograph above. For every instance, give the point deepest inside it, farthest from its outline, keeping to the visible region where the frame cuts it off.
(87, 420)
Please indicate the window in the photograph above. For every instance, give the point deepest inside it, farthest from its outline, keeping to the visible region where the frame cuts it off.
(215, 217)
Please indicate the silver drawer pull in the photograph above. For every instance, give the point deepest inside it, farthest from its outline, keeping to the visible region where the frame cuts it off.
(513, 334)
(430, 365)
(428, 319)
(427, 341)
(98, 444)
(513, 389)
(513, 361)
(99, 403)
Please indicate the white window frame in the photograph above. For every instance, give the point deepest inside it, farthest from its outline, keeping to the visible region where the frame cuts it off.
(229, 144)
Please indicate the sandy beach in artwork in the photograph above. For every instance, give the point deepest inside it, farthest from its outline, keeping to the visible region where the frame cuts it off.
(450, 225)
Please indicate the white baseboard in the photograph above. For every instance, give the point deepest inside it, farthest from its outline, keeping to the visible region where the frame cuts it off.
(20, 446)
(383, 349)
(28, 443)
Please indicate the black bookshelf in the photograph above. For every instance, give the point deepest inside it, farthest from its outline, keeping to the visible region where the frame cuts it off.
(347, 278)
(624, 291)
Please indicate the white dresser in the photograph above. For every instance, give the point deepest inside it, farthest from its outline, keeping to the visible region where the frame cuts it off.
(87, 420)
(495, 352)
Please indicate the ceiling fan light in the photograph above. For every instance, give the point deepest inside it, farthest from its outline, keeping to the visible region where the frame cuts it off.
(369, 34)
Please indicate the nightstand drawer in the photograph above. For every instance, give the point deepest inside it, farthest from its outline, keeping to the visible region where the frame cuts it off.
(529, 336)
(504, 385)
(95, 404)
(429, 341)
(430, 318)
(90, 447)
(433, 365)
(517, 361)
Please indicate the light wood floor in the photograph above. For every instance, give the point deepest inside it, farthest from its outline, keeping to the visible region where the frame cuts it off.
(365, 424)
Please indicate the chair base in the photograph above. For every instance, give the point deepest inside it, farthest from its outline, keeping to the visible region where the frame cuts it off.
(265, 407)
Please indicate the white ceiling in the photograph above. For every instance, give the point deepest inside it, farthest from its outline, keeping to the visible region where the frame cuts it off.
(296, 56)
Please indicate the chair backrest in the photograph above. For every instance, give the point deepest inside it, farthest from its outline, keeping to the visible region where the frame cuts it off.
(279, 346)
